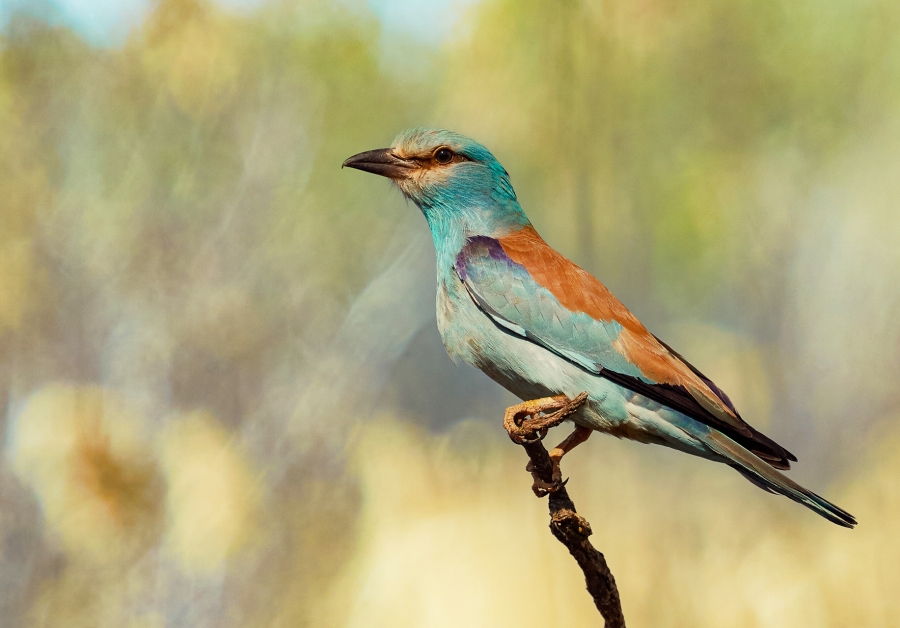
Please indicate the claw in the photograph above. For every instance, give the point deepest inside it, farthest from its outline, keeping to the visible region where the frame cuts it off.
(557, 474)
(542, 488)
(524, 440)
(521, 440)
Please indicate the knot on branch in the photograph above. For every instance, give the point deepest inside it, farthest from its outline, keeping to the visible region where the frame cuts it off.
(569, 527)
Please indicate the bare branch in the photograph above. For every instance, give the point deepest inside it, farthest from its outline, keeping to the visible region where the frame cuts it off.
(569, 528)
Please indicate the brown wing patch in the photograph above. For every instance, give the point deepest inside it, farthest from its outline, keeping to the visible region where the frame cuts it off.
(579, 291)
(575, 288)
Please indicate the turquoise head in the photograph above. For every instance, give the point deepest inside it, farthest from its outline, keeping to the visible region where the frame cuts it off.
(454, 180)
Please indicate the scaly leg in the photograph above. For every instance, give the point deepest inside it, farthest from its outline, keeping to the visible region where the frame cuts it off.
(578, 436)
(530, 418)
(519, 420)
(528, 422)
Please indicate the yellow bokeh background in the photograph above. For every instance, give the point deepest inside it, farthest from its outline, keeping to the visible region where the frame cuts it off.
(225, 401)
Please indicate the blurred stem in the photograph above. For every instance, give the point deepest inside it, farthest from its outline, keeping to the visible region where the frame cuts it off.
(585, 215)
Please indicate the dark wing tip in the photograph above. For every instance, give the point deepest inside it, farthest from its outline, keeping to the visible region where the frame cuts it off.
(754, 440)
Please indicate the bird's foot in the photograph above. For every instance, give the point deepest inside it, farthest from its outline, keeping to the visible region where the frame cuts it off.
(542, 487)
(529, 421)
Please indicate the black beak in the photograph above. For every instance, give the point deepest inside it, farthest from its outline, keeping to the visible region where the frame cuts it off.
(380, 161)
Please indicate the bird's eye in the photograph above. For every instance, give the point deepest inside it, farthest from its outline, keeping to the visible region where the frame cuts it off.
(443, 155)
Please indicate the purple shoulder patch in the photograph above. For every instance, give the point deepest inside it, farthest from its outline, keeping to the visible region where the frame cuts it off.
(480, 246)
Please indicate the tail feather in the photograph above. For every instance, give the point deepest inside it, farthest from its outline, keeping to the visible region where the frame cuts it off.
(752, 478)
(766, 477)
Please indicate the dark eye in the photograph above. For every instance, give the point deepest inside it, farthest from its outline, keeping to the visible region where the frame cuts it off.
(443, 155)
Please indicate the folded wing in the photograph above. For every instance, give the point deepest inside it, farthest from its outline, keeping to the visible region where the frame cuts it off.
(532, 291)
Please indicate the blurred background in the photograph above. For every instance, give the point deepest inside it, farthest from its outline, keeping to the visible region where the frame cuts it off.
(226, 400)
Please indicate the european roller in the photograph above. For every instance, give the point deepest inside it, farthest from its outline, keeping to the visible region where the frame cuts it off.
(540, 326)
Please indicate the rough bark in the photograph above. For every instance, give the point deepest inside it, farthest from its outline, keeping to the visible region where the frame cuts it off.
(569, 528)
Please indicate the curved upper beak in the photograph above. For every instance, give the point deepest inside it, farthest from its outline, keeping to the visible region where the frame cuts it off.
(380, 161)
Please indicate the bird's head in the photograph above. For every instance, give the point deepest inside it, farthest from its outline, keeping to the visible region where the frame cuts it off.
(441, 172)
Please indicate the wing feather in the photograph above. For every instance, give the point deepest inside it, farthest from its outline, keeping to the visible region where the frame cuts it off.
(531, 291)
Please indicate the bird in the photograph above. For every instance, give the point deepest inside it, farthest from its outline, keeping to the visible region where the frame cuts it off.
(547, 330)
